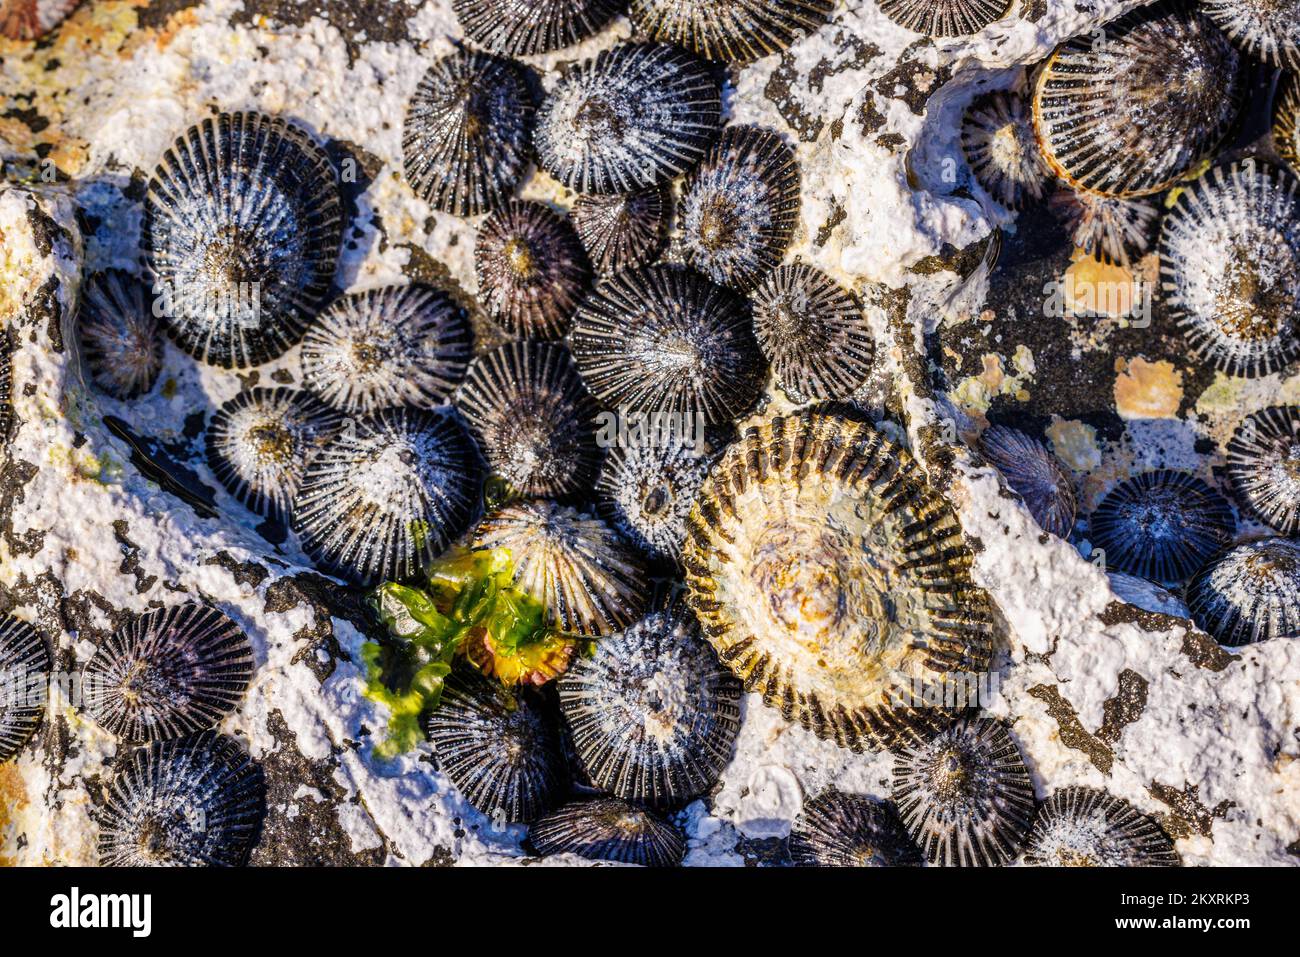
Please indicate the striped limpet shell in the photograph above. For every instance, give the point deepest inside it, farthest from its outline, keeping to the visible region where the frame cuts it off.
(1230, 268)
(965, 795)
(259, 444)
(635, 115)
(500, 748)
(1084, 827)
(1035, 474)
(525, 29)
(622, 231)
(29, 19)
(944, 18)
(587, 578)
(1264, 466)
(653, 714)
(1130, 109)
(737, 31)
(120, 340)
(1266, 29)
(997, 138)
(837, 829)
(24, 683)
(243, 223)
(388, 494)
(395, 345)
(1251, 593)
(169, 673)
(609, 829)
(834, 581)
(1108, 228)
(186, 802)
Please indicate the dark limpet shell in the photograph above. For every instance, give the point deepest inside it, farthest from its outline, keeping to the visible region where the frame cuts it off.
(1035, 474)
(588, 579)
(259, 444)
(468, 132)
(198, 800)
(834, 581)
(1230, 268)
(654, 715)
(636, 115)
(29, 19)
(1084, 827)
(646, 490)
(169, 673)
(944, 18)
(120, 340)
(538, 26)
(1108, 228)
(532, 270)
(664, 341)
(740, 207)
(737, 31)
(242, 227)
(1161, 525)
(997, 138)
(609, 829)
(1264, 466)
(500, 748)
(1286, 113)
(1251, 593)
(396, 345)
(813, 332)
(622, 231)
(965, 795)
(387, 496)
(1131, 113)
(24, 683)
(533, 418)
(849, 830)
(1266, 29)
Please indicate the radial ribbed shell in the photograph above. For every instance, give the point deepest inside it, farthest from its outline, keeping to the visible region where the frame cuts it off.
(833, 581)
(740, 207)
(850, 830)
(622, 231)
(501, 749)
(1268, 30)
(1033, 473)
(242, 228)
(387, 496)
(646, 491)
(1161, 525)
(654, 714)
(468, 132)
(532, 270)
(944, 18)
(393, 346)
(29, 19)
(997, 137)
(259, 444)
(121, 341)
(24, 683)
(813, 332)
(1107, 228)
(609, 829)
(665, 341)
(965, 795)
(1264, 466)
(589, 580)
(1083, 827)
(1230, 268)
(169, 673)
(636, 115)
(738, 31)
(1132, 112)
(198, 800)
(533, 418)
(527, 27)
(1286, 130)
(1251, 593)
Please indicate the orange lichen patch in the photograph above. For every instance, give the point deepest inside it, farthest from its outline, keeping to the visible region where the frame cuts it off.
(1094, 288)
(13, 798)
(1147, 390)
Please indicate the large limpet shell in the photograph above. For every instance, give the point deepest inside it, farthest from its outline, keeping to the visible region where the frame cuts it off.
(29, 19)
(944, 18)
(609, 829)
(528, 27)
(24, 683)
(1264, 466)
(1130, 109)
(738, 31)
(834, 581)
(1108, 228)
(1250, 593)
(850, 830)
(1084, 827)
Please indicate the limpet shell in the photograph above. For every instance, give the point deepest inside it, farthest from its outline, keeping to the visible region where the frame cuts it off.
(737, 31)
(1264, 466)
(609, 829)
(29, 19)
(537, 26)
(1251, 593)
(1084, 827)
(24, 683)
(944, 18)
(1033, 473)
(121, 341)
(850, 830)
(622, 231)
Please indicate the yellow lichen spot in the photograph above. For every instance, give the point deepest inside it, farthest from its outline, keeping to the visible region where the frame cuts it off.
(1094, 288)
(1147, 390)
(976, 393)
(1074, 443)
(1221, 395)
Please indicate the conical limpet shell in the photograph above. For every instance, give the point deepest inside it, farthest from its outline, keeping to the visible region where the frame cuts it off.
(1033, 473)
(24, 683)
(738, 31)
(1108, 228)
(944, 18)
(1266, 29)
(1286, 114)
(1264, 466)
(1084, 827)
(834, 581)
(997, 137)
(120, 339)
(850, 830)
(537, 26)
(609, 829)
(1250, 593)
(622, 231)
